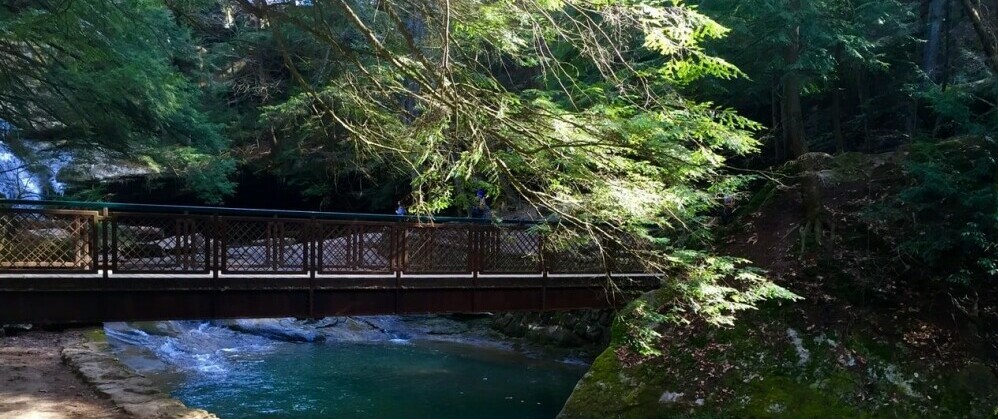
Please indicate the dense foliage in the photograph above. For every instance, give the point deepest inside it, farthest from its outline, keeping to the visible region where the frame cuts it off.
(958, 244)
(106, 80)
(906, 77)
(595, 131)
(965, 237)
(621, 119)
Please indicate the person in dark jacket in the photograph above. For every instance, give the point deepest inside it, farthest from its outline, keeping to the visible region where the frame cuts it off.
(480, 208)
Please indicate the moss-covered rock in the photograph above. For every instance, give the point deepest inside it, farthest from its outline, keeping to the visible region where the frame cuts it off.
(774, 365)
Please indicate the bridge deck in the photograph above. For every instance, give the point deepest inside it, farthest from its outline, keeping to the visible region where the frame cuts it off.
(135, 262)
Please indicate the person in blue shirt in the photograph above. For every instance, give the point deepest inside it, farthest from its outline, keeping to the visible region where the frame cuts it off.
(480, 208)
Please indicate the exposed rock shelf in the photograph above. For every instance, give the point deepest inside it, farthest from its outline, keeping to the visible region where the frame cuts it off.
(132, 392)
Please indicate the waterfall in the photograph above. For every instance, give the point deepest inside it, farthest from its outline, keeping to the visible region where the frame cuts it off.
(195, 346)
(31, 173)
(208, 346)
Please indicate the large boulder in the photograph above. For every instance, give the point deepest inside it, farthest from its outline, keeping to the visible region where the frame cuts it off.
(334, 329)
(135, 394)
(776, 365)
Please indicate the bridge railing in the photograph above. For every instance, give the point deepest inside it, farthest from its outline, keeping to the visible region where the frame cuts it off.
(49, 240)
(47, 237)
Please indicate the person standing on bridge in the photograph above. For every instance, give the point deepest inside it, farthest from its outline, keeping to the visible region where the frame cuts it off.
(480, 208)
(400, 211)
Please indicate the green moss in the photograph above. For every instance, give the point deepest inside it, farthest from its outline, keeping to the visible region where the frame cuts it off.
(618, 332)
(95, 335)
(611, 391)
(852, 166)
(766, 379)
(777, 396)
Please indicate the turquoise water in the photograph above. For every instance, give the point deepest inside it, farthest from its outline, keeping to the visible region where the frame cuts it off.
(242, 376)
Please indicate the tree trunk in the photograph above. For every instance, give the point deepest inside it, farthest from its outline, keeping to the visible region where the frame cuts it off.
(810, 193)
(863, 94)
(913, 105)
(932, 51)
(793, 122)
(793, 128)
(944, 72)
(776, 110)
(988, 40)
(911, 115)
(840, 143)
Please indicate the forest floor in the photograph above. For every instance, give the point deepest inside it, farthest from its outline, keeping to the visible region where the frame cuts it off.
(34, 382)
(853, 280)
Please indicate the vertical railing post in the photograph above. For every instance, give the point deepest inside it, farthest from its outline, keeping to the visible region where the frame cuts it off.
(474, 260)
(222, 250)
(312, 237)
(271, 245)
(354, 241)
(211, 230)
(543, 266)
(473, 247)
(182, 243)
(107, 224)
(214, 261)
(105, 248)
(398, 259)
(113, 247)
(82, 239)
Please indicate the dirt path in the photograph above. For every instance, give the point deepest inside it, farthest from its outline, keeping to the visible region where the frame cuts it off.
(35, 384)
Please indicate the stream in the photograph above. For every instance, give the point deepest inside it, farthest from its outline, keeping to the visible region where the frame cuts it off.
(372, 367)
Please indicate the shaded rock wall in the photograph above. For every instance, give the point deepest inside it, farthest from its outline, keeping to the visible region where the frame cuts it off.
(564, 329)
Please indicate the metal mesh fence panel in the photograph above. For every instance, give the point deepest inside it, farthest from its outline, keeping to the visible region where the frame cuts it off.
(510, 251)
(575, 258)
(437, 249)
(153, 243)
(48, 241)
(356, 248)
(264, 245)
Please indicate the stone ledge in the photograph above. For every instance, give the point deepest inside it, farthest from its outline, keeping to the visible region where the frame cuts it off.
(130, 391)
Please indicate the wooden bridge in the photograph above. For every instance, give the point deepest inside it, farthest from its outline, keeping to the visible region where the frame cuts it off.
(66, 262)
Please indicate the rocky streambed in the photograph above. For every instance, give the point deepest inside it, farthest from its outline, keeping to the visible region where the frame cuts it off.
(510, 364)
(376, 366)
